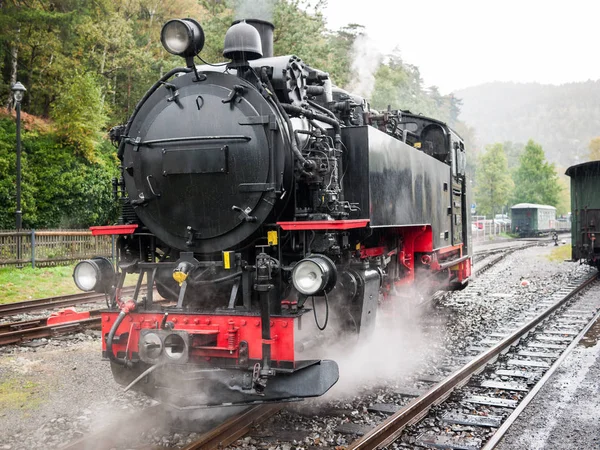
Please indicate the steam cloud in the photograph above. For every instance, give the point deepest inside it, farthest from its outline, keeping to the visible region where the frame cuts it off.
(253, 9)
(366, 59)
(398, 348)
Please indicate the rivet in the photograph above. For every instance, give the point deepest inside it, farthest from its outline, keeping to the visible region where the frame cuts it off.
(174, 320)
(272, 324)
(107, 319)
(257, 323)
(207, 321)
(185, 320)
(197, 321)
(284, 324)
(243, 323)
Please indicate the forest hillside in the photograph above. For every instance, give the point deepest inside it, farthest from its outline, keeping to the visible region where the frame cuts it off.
(563, 119)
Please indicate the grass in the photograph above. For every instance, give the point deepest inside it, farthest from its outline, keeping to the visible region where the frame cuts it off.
(17, 393)
(27, 283)
(560, 253)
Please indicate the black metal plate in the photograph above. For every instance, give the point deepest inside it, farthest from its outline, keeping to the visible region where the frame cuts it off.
(195, 160)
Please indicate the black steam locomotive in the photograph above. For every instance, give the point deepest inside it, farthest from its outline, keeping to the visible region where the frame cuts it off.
(252, 193)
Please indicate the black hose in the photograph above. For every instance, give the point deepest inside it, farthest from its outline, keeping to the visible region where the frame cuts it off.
(151, 91)
(109, 341)
(326, 312)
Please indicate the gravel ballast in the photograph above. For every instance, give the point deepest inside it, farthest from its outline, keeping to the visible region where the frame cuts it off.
(65, 390)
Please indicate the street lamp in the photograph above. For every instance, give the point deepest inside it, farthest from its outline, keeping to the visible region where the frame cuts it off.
(18, 91)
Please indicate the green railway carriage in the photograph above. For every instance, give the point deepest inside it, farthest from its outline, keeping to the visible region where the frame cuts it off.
(530, 219)
(585, 211)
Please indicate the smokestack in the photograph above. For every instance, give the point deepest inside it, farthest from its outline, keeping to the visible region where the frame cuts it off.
(265, 29)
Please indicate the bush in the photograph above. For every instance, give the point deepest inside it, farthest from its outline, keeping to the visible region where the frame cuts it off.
(60, 187)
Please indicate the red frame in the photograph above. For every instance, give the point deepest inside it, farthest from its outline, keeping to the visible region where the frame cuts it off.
(324, 224)
(229, 331)
(113, 229)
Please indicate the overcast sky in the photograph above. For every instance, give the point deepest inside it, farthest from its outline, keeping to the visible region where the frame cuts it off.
(461, 43)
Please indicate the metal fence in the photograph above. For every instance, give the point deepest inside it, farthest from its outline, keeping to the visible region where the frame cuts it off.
(486, 230)
(51, 247)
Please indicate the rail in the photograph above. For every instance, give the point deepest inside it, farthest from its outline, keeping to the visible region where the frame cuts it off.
(11, 309)
(391, 429)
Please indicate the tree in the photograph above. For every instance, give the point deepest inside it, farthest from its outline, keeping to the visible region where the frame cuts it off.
(536, 180)
(513, 151)
(79, 113)
(494, 184)
(400, 85)
(594, 149)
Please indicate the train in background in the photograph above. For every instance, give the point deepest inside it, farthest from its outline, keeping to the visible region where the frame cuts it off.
(585, 212)
(531, 220)
(253, 194)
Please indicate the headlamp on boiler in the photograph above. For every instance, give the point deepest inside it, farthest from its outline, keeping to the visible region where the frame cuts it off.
(182, 37)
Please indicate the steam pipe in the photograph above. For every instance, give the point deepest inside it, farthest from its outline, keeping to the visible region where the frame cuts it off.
(306, 164)
(322, 109)
(296, 110)
(263, 286)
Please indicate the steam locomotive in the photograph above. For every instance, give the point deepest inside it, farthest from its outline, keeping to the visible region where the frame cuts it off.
(254, 194)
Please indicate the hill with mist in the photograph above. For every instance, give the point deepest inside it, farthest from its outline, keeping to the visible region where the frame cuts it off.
(562, 118)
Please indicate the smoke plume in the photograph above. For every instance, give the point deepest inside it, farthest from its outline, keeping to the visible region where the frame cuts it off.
(366, 59)
(253, 9)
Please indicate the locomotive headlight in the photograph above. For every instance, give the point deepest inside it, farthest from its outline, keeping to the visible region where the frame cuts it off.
(314, 275)
(183, 37)
(96, 274)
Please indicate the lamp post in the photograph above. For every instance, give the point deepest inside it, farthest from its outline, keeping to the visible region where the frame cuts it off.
(18, 91)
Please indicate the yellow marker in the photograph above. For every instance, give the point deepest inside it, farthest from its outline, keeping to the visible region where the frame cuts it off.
(227, 260)
(180, 277)
(272, 237)
(357, 246)
(417, 145)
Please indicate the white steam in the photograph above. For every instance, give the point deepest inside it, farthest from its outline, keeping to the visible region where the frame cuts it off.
(366, 59)
(404, 343)
(253, 9)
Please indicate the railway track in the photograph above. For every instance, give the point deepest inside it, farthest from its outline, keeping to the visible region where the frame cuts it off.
(41, 304)
(18, 332)
(556, 328)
